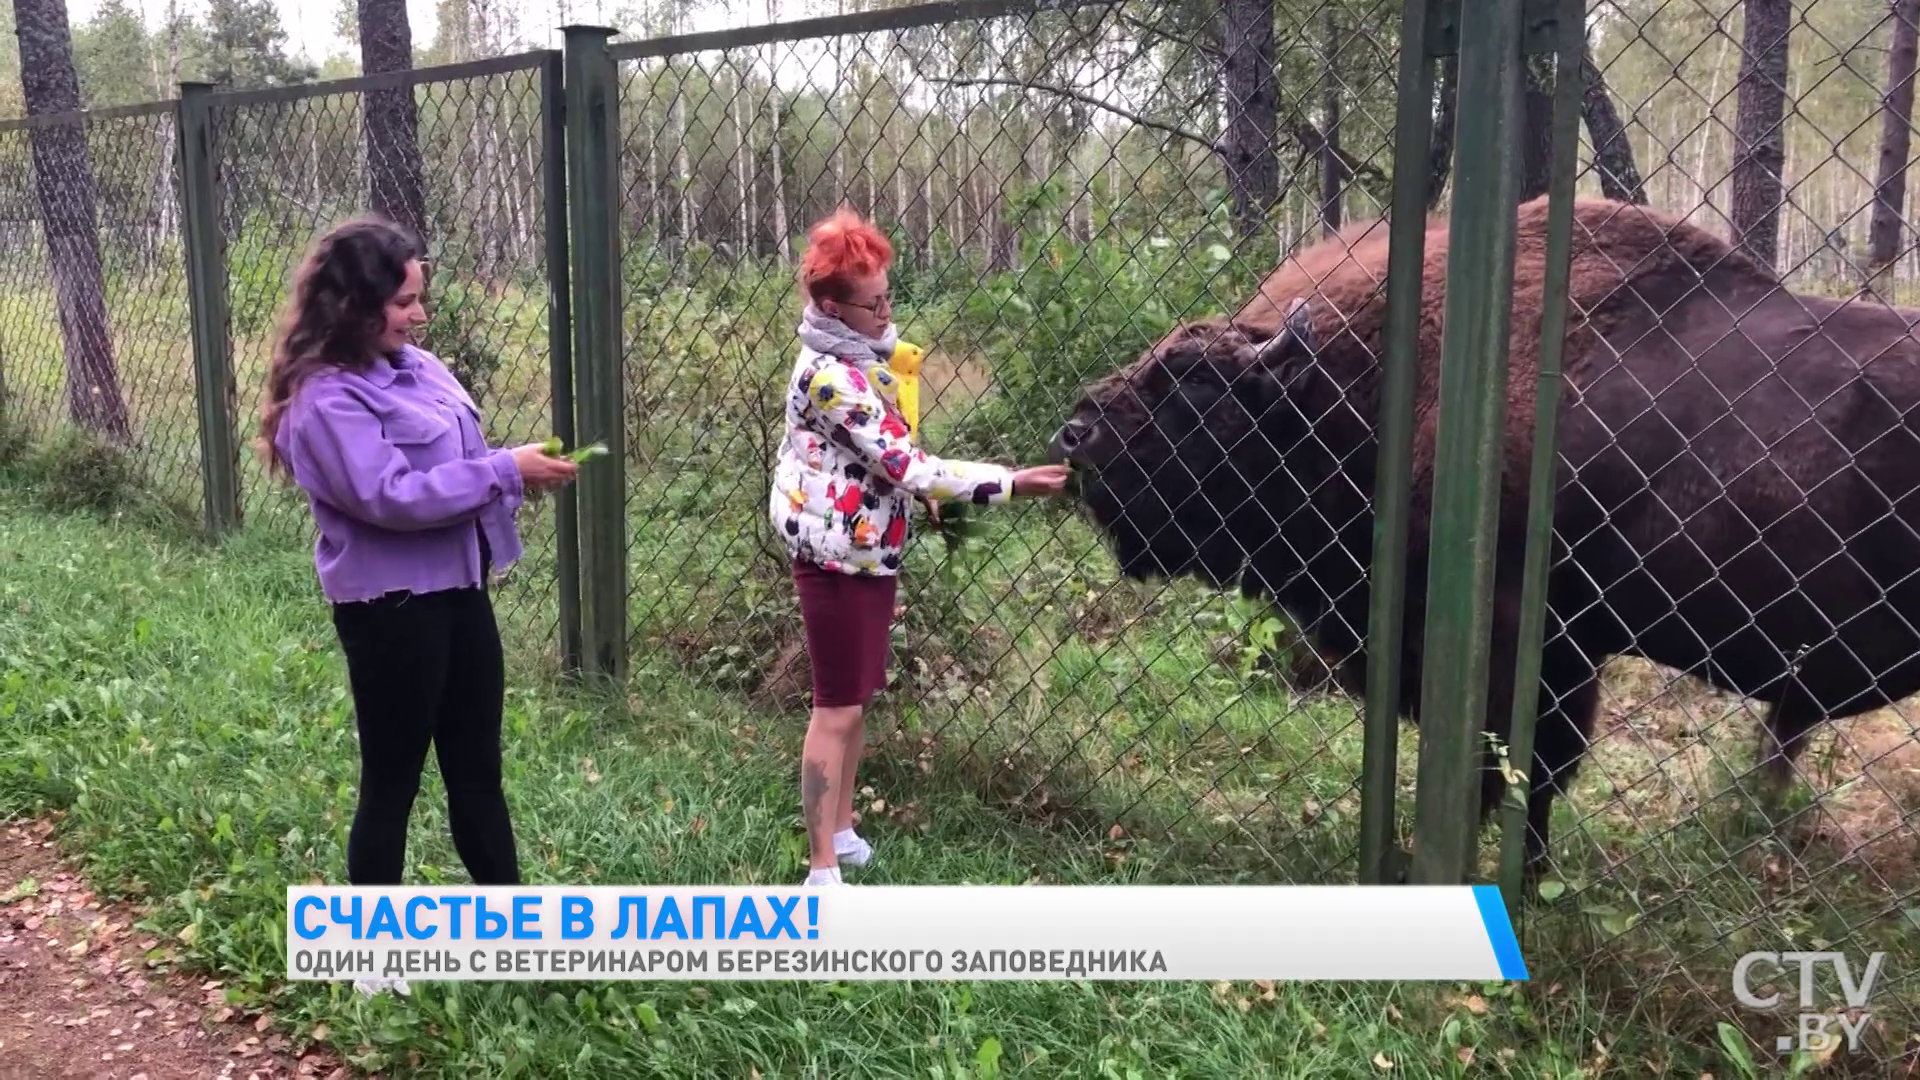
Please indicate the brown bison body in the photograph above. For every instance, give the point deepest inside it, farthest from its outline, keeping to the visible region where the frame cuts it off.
(1736, 493)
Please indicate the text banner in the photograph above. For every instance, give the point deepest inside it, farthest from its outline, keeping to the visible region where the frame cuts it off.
(1451, 933)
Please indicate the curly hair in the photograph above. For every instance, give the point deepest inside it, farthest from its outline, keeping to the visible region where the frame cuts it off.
(337, 313)
(840, 248)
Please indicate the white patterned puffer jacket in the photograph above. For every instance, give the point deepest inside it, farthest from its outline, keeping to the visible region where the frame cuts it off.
(847, 471)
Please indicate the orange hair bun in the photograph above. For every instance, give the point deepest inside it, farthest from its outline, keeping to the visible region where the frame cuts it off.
(841, 247)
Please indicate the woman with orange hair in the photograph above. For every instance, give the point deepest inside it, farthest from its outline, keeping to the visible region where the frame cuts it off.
(844, 484)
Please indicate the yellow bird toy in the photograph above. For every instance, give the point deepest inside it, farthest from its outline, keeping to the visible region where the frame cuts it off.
(905, 366)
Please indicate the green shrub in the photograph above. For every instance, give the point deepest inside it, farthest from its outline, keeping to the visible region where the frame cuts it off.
(456, 332)
(82, 471)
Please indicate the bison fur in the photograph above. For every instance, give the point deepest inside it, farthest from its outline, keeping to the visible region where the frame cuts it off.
(1735, 493)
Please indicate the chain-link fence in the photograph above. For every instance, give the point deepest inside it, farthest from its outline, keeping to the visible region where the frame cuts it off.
(91, 269)
(1068, 185)
(1734, 538)
(294, 161)
(1041, 237)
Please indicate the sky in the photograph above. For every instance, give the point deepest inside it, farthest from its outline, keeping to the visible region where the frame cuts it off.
(309, 23)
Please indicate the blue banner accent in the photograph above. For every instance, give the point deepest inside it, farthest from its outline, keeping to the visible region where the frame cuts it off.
(1506, 948)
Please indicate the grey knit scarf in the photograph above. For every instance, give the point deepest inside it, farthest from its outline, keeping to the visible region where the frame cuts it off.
(825, 334)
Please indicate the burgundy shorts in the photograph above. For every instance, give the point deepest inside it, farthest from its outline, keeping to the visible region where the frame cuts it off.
(849, 623)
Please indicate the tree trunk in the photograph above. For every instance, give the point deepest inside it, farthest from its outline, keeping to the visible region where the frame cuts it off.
(391, 121)
(777, 180)
(1612, 153)
(1896, 141)
(682, 187)
(1248, 145)
(1333, 174)
(64, 185)
(743, 153)
(167, 222)
(1536, 135)
(1759, 153)
(1440, 157)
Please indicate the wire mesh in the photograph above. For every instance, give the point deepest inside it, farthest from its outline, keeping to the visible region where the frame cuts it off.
(1056, 202)
(293, 163)
(1734, 545)
(1062, 189)
(91, 293)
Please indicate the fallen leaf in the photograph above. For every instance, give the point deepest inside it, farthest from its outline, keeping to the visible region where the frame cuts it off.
(1476, 1005)
(1382, 1061)
(320, 1032)
(1465, 1054)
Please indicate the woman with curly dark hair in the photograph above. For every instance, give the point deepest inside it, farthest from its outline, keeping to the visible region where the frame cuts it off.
(415, 512)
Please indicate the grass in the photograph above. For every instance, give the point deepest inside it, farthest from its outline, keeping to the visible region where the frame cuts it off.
(134, 668)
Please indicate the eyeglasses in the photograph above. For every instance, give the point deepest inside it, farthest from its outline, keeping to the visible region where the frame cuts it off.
(884, 300)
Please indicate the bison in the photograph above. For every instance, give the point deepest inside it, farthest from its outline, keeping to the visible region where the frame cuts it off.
(1735, 495)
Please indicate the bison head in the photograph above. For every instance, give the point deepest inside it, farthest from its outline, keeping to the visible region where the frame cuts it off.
(1179, 455)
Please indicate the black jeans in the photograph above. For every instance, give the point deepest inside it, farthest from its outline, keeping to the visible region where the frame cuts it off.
(427, 668)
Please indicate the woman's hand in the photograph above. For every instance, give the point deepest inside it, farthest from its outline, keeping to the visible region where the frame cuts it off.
(1043, 480)
(540, 470)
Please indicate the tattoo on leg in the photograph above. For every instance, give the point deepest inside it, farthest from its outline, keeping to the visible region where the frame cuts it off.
(813, 792)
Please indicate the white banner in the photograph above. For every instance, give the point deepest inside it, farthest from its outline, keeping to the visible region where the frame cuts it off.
(1452, 933)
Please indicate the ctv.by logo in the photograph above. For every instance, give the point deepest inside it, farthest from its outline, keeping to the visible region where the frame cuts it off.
(1813, 1035)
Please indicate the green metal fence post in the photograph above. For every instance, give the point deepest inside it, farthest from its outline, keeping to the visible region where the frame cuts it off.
(1466, 486)
(592, 123)
(566, 539)
(1569, 88)
(1380, 861)
(207, 304)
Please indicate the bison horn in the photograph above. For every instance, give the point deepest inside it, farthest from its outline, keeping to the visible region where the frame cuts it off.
(1295, 330)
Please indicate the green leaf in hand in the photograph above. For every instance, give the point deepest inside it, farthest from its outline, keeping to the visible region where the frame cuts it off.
(555, 448)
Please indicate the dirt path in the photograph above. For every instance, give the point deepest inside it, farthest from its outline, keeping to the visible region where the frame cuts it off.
(79, 999)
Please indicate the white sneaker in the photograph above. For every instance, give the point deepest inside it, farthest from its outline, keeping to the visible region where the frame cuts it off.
(852, 848)
(370, 987)
(825, 876)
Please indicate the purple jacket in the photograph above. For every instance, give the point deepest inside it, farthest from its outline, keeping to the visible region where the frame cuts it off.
(398, 475)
